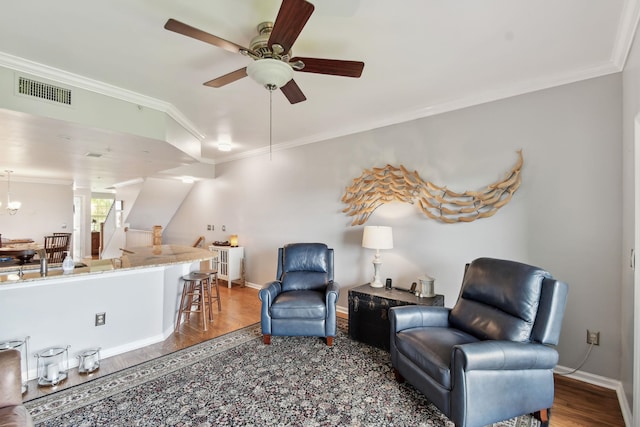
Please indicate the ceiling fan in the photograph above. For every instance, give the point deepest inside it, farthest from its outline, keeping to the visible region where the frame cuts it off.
(273, 64)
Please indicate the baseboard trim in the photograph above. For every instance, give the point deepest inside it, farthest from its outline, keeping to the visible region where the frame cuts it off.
(252, 285)
(105, 353)
(589, 378)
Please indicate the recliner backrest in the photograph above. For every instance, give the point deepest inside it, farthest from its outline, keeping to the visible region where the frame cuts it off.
(305, 266)
(499, 300)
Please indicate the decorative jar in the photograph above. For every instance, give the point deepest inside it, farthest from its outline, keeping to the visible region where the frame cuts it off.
(89, 361)
(53, 365)
(427, 289)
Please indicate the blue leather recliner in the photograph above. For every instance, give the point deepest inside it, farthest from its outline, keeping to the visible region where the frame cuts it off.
(302, 300)
(490, 357)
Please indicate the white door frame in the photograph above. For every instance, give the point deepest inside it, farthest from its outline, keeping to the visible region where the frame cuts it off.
(636, 277)
(79, 230)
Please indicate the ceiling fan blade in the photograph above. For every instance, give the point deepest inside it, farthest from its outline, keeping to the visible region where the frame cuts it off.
(227, 78)
(293, 93)
(334, 67)
(292, 17)
(189, 31)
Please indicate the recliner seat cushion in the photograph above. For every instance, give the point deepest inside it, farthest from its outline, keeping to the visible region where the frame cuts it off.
(430, 350)
(491, 307)
(299, 304)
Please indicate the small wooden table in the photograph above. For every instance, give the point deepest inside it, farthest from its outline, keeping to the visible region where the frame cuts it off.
(368, 312)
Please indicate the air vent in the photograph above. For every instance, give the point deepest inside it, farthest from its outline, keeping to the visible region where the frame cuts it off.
(44, 91)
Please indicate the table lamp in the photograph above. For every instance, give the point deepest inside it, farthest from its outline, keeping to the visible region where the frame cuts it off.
(377, 237)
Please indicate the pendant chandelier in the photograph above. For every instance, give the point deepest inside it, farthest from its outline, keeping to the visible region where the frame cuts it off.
(12, 206)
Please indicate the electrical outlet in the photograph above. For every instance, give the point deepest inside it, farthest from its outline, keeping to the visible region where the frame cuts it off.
(208, 228)
(593, 337)
(101, 319)
(224, 228)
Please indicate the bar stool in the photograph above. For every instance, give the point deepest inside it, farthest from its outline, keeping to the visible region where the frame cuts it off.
(213, 277)
(195, 297)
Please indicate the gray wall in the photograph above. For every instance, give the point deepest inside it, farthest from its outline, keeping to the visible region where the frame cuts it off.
(565, 217)
(631, 120)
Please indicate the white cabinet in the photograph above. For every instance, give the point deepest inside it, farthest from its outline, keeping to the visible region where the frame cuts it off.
(230, 263)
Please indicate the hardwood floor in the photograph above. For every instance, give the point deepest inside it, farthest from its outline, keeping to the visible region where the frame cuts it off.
(576, 403)
(581, 404)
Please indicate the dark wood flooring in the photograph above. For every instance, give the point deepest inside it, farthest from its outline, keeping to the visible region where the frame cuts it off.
(576, 403)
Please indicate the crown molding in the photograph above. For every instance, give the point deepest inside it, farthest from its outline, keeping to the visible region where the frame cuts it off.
(34, 68)
(423, 111)
(626, 31)
(37, 180)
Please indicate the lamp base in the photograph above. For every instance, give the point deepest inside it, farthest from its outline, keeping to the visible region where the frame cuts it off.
(376, 282)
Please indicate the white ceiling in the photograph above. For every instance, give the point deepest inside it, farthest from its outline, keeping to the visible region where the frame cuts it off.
(422, 57)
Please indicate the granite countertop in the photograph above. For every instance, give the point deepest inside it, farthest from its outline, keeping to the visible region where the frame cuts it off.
(147, 256)
(132, 258)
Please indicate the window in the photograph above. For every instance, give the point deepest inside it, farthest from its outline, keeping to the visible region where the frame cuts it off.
(99, 210)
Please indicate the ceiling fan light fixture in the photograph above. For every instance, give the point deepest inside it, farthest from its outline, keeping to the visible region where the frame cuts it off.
(224, 145)
(270, 73)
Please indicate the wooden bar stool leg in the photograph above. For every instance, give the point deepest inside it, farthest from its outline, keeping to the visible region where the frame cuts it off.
(203, 305)
(217, 291)
(209, 306)
(189, 305)
(185, 289)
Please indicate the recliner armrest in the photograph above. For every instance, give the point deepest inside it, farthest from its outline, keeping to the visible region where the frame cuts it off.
(269, 291)
(10, 378)
(504, 355)
(415, 316)
(332, 292)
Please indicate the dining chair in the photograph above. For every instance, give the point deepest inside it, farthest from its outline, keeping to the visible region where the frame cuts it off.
(55, 246)
(68, 240)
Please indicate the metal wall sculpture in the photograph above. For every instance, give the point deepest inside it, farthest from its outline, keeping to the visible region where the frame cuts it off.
(378, 186)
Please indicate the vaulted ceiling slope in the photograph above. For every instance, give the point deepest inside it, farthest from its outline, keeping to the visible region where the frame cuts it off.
(422, 57)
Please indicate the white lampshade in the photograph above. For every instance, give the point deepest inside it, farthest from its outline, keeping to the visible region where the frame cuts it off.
(377, 237)
(270, 72)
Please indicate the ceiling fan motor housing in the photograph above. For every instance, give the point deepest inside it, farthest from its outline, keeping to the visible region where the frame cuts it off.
(260, 44)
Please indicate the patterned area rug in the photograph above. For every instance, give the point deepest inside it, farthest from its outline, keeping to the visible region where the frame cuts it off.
(236, 380)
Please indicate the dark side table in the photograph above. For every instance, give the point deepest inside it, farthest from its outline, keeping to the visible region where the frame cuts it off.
(368, 312)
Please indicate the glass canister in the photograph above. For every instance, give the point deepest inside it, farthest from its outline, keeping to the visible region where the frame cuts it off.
(89, 361)
(53, 365)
